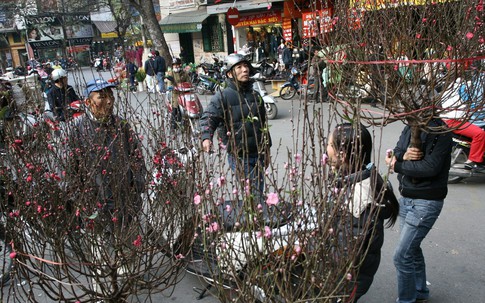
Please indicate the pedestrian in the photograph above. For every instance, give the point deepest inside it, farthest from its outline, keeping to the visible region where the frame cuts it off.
(150, 73)
(318, 65)
(131, 70)
(59, 96)
(106, 164)
(287, 56)
(423, 183)
(240, 114)
(173, 77)
(160, 69)
(455, 114)
(369, 200)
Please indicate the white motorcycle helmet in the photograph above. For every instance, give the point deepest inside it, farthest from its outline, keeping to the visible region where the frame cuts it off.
(58, 74)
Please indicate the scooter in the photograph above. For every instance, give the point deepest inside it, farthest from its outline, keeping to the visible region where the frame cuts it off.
(269, 101)
(459, 155)
(209, 81)
(190, 106)
(298, 82)
(209, 84)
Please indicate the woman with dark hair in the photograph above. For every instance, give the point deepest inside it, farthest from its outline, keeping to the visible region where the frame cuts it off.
(367, 197)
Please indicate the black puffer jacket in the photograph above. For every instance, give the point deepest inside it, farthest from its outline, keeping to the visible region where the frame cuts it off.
(59, 98)
(428, 177)
(241, 116)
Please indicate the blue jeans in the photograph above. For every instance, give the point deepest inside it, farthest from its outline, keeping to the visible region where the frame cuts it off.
(161, 84)
(417, 217)
(253, 168)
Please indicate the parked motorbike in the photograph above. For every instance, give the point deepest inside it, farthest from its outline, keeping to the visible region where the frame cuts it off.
(266, 69)
(209, 81)
(269, 101)
(298, 82)
(209, 84)
(189, 103)
(459, 155)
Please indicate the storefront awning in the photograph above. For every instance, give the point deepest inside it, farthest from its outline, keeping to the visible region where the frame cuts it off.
(105, 26)
(185, 22)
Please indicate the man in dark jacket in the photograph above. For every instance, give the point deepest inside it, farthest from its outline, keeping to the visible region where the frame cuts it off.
(160, 69)
(423, 177)
(60, 95)
(150, 73)
(239, 112)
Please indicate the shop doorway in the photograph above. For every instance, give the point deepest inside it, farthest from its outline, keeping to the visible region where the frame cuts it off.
(186, 44)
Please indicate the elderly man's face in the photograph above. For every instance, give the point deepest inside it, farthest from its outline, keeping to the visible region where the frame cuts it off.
(240, 72)
(101, 103)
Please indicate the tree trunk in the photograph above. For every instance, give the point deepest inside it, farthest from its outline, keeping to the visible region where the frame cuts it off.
(415, 137)
(146, 10)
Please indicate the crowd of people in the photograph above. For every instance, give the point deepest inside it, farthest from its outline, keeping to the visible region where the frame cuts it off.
(422, 171)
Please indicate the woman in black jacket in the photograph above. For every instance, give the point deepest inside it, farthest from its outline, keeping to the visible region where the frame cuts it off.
(366, 197)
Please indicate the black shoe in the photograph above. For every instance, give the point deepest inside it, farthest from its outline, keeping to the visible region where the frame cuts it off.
(474, 166)
(421, 301)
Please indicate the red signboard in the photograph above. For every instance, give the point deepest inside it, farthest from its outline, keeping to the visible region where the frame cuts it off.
(260, 19)
(287, 30)
(318, 21)
(233, 16)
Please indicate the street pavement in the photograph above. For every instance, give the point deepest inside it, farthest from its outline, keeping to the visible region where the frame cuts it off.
(454, 249)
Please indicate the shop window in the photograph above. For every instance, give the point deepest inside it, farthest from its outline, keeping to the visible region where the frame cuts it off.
(212, 35)
(16, 37)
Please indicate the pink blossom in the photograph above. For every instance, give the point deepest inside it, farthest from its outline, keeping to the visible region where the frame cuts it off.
(267, 232)
(196, 199)
(137, 242)
(228, 208)
(179, 256)
(259, 234)
(349, 276)
(29, 178)
(221, 181)
(298, 158)
(13, 255)
(235, 191)
(114, 219)
(424, 20)
(272, 199)
(449, 48)
(418, 36)
(213, 227)
(324, 159)
(260, 207)
(469, 35)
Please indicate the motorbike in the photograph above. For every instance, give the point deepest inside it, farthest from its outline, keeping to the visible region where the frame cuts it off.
(189, 103)
(267, 69)
(459, 155)
(209, 81)
(298, 82)
(208, 84)
(269, 101)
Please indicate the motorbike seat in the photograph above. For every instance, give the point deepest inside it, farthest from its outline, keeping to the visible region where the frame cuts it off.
(235, 217)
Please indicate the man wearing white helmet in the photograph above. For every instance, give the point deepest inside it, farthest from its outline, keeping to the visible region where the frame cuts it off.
(239, 113)
(60, 95)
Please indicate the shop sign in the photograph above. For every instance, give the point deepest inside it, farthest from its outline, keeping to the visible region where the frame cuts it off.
(260, 19)
(310, 26)
(182, 28)
(45, 44)
(109, 35)
(78, 48)
(233, 16)
(287, 30)
(314, 22)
